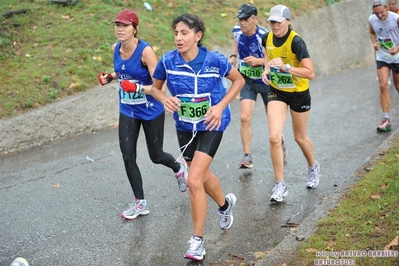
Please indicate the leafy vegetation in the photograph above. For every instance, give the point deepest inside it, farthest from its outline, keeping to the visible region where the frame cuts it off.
(366, 220)
(49, 51)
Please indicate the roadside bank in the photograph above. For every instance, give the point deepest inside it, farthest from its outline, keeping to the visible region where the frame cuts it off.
(333, 45)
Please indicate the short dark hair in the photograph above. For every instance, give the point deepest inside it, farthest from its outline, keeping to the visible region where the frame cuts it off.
(193, 22)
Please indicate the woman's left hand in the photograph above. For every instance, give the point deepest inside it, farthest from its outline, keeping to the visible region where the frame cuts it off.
(277, 62)
(214, 118)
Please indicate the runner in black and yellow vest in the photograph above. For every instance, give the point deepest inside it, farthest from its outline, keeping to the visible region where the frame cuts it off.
(288, 68)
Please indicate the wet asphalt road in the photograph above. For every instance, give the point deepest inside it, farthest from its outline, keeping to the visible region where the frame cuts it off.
(60, 203)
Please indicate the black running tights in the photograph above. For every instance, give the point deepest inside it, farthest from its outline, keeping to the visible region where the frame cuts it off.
(129, 129)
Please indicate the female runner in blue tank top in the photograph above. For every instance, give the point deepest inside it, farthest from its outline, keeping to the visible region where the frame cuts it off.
(134, 63)
(195, 78)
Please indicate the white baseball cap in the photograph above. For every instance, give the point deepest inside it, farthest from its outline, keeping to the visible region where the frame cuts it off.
(279, 13)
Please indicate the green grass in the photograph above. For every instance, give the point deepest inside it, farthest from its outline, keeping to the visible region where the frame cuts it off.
(53, 51)
(367, 218)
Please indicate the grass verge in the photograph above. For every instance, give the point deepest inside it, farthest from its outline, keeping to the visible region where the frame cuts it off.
(365, 221)
(50, 51)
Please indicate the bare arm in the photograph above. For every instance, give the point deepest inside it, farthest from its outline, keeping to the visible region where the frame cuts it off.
(395, 50)
(306, 69)
(103, 75)
(266, 71)
(234, 50)
(170, 103)
(214, 113)
(150, 60)
(113, 74)
(373, 37)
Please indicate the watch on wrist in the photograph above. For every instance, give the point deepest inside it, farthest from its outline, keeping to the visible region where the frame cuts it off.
(287, 67)
(141, 89)
(233, 55)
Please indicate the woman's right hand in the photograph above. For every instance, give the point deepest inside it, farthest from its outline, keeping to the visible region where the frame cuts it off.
(172, 104)
(265, 76)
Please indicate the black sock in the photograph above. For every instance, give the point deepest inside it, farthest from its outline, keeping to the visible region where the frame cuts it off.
(197, 237)
(225, 206)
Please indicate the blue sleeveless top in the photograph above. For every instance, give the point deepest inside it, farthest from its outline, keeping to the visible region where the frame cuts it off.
(135, 105)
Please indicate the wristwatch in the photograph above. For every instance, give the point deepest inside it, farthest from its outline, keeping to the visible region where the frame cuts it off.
(233, 55)
(287, 67)
(141, 88)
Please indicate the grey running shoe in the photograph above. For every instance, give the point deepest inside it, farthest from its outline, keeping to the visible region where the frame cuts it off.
(182, 175)
(139, 207)
(226, 217)
(313, 177)
(246, 162)
(279, 192)
(196, 251)
(285, 151)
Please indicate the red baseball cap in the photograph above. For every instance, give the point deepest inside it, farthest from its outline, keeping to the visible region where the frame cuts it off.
(127, 17)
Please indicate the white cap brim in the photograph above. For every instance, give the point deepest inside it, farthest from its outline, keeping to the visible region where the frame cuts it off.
(276, 18)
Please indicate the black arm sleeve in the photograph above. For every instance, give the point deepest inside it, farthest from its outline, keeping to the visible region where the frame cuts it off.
(299, 48)
(264, 37)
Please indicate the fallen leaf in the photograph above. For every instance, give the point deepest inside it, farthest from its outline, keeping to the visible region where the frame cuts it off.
(172, 4)
(375, 196)
(290, 225)
(67, 17)
(260, 255)
(332, 243)
(309, 250)
(236, 256)
(75, 85)
(394, 242)
(56, 185)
